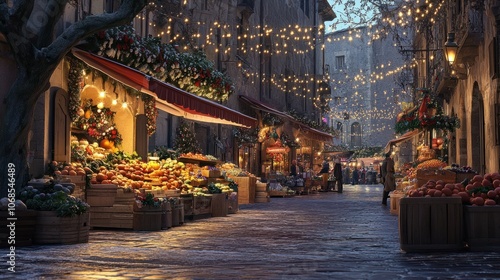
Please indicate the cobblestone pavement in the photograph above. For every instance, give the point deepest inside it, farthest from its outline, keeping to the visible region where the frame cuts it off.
(317, 236)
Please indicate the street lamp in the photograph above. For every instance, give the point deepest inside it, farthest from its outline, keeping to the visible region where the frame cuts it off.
(451, 48)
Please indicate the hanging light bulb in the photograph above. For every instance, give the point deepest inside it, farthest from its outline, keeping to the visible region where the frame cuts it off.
(102, 94)
(100, 105)
(124, 105)
(114, 102)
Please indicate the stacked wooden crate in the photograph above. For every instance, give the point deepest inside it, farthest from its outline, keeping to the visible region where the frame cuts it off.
(119, 215)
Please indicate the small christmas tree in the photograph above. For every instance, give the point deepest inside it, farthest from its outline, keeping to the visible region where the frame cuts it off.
(185, 141)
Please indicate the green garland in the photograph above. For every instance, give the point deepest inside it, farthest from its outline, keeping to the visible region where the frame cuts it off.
(192, 72)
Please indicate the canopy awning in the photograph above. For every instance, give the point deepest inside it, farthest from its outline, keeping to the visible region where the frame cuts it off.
(168, 97)
(306, 130)
(407, 136)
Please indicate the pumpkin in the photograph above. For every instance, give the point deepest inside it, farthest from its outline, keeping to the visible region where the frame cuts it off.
(106, 144)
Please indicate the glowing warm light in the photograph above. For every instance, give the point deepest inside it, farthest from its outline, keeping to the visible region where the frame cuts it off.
(124, 105)
(102, 94)
(100, 105)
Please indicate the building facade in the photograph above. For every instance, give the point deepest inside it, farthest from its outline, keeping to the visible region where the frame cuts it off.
(365, 95)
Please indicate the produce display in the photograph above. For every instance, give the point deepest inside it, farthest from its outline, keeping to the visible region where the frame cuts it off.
(129, 172)
(481, 190)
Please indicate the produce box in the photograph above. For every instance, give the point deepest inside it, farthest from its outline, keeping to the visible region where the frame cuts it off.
(100, 195)
(482, 227)
(124, 197)
(428, 224)
(462, 176)
(210, 173)
(117, 216)
(246, 189)
(219, 205)
(202, 204)
(395, 198)
(233, 203)
(424, 175)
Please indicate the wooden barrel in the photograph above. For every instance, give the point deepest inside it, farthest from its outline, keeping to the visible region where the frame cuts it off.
(166, 215)
(147, 218)
(261, 187)
(51, 229)
(261, 197)
(24, 228)
(176, 214)
(100, 195)
(219, 205)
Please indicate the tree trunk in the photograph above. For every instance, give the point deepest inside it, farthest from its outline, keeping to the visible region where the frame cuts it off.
(16, 123)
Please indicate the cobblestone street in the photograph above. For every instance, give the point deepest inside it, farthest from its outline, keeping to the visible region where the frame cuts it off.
(317, 236)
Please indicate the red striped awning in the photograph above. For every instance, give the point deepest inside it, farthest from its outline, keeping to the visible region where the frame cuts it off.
(306, 130)
(168, 97)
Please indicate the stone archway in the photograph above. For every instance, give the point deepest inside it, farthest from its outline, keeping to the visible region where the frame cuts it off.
(477, 131)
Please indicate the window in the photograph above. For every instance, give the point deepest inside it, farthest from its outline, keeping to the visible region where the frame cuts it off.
(337, 100)
(304, 5)
(340, 62)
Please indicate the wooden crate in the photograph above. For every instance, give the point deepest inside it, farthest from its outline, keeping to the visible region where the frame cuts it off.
(124, 197)
(202, 204)
(394, 200)
(117, 216)
(219, 205)
(233, 203)
(187, 204)
(429, 224)
(100, 195)
(462, 176)
(246, 189)
(482, 227)
(210, 173)
(424, 175)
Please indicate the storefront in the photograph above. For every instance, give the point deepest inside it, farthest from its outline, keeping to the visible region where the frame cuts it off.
(282, 139)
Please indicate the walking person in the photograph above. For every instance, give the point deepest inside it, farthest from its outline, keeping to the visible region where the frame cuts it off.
(388, 179)
(337, 172)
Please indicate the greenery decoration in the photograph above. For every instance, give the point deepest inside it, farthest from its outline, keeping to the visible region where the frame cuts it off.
(151, 113)
(246, 135)
(75, 81)
(185, 141)
(271, 120)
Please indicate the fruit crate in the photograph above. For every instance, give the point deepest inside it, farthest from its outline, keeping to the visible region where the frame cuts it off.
(117, 216)
(428, 224)
(482, 227)
(424, 175)
(101, 195)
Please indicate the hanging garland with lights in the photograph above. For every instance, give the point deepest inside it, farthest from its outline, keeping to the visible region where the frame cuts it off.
(192, 72)
(76, 84)
(151, 113)
(429, 115)
(246, 135)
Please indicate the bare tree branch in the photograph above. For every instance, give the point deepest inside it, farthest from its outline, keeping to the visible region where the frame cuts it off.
(91, 24)
(54, 10)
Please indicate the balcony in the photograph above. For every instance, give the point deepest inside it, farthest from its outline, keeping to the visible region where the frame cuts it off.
(469, 32)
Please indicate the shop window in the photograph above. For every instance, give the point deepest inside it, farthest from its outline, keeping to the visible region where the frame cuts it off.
(340, 62)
